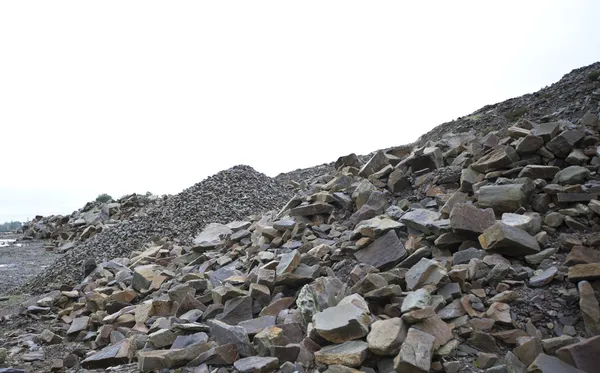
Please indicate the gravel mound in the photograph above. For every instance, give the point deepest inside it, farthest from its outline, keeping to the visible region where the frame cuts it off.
(229, 195)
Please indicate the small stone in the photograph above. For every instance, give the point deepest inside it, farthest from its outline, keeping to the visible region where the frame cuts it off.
(543, 278)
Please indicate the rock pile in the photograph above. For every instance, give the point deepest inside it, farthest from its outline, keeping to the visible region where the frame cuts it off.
(229, 195)
(63, 232)
(466, 254)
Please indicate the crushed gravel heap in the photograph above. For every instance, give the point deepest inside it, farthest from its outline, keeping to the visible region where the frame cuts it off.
(229, 195)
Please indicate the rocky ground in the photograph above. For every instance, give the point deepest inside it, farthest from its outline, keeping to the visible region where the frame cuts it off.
(228, 195)
(21, 260)
(474, 250)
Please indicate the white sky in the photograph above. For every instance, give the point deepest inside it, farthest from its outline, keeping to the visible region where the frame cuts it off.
(136, 96)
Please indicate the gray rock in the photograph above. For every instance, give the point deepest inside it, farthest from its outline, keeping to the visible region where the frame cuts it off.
(376, 163)
(351, 354)
(465, 256)
(523, 222)
(422, 220)
(501, 157)
(429, 158)
(562, 144)
(386, 336)
(571, 175)
(415, 300)
(546, 131)
(385, 251)
(212, 235)
(321, 294)
(530, 144)
(468, 178)
(425, 272)
(376, 226)
(466, 218)
(416, 352)
(223, 333)
(549, 364)
(109, 356)
(508, 240)
(312, 209)
(256, 364)
(398, 181)
(502, 198)
(539, 172)
(544, 278)
(342, 323)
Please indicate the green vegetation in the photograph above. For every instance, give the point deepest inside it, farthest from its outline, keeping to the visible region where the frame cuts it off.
(10, 226)
(594, 75)
(474, 117)
(103, 198)
(517, 113)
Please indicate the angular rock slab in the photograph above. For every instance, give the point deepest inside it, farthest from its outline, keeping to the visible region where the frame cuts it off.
(342, 323)
(466, 218)
(350, 354)
(501, 157)
(583, 355)
(212, 234)
(425, 272)
(257, 364)
(549, 364)
(319, 295)
(502, 198)
(415, 353)
(386, 336)
(590, 309)
(508, 240)
(422, 220)
(109, 356)
(385, 251)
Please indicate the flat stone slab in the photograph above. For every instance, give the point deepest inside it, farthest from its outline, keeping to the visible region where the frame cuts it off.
(508, 240)
(385, 251)
(350, 354)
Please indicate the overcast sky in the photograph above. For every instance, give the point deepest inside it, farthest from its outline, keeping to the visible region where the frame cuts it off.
(136, 96)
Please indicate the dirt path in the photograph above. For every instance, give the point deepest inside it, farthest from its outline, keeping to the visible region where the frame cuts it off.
(21, 260)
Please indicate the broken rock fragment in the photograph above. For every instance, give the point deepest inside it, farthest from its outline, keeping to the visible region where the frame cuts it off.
(507, 240)
(415, 353)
